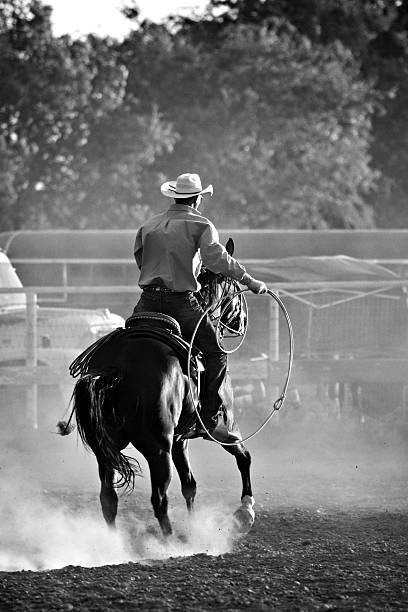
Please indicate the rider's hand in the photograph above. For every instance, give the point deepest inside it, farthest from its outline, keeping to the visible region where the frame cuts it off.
(257, 286)
(254, 285)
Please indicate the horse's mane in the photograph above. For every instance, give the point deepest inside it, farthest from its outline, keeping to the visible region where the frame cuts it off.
(223, 294)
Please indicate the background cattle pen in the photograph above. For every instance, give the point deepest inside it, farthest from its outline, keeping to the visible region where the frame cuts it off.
(345, 292)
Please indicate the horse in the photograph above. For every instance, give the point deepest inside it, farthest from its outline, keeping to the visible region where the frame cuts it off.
(135, 390)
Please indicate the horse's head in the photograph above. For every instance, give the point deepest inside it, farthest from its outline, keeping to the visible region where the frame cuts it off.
(224, 298)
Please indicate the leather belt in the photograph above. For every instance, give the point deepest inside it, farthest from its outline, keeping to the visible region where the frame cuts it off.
(159, 288)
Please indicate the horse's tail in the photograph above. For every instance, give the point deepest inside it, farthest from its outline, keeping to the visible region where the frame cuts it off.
(95, 407)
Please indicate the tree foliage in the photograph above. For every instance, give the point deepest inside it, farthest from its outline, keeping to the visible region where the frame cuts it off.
(280, 127)
(76, 150)
(295, 111)
(376, 33)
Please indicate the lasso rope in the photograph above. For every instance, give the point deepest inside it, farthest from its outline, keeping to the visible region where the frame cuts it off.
(279, 401)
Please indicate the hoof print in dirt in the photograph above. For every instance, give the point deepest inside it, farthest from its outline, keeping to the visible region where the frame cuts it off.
(182, 538)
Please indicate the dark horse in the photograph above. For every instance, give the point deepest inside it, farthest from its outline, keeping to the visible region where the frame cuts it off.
(135, 390)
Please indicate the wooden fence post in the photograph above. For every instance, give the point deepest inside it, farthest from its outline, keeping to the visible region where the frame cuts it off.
(273, 352)
(31, 358)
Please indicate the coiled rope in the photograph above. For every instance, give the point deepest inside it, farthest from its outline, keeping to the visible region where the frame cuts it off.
(280, 400)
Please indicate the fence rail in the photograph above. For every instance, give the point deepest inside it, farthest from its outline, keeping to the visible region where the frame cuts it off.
(32, 373)
(287, 286)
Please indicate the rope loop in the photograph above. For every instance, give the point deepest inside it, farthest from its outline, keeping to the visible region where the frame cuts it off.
(279, 402)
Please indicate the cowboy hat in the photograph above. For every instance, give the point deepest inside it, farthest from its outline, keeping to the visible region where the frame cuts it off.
(186, 186)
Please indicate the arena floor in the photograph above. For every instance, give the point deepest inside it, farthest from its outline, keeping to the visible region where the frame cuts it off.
(331, 531)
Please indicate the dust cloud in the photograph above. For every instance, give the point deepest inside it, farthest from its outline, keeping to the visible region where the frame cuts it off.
(36, 534)
(310, 456)
(50, 513)
(40, 531)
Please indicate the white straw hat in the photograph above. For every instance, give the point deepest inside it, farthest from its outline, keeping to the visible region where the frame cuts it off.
(186, 186)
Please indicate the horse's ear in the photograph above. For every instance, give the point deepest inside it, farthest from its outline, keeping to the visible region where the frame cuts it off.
(230, 246)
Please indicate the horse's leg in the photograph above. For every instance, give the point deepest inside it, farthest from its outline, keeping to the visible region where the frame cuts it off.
(245, 515)
(160, 476)
(187, 480)
(243, 459)
(108, 496)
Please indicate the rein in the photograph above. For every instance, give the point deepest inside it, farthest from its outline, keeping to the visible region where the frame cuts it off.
(280, 400)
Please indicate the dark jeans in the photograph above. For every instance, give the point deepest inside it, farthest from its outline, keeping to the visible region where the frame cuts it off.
(185, 309)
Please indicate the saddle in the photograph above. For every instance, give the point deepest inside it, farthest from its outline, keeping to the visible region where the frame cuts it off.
(157, 326)
(160, 326)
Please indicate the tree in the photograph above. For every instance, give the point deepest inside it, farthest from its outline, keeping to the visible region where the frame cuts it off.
(376, 32)
(354, 24)
(281, 127)
(76, 152)
(273, 109)
(8, 194)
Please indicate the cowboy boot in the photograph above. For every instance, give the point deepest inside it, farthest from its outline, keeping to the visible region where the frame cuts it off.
(223, 431)
(217, 427)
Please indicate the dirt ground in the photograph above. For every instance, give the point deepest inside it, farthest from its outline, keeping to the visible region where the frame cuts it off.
(331, 531)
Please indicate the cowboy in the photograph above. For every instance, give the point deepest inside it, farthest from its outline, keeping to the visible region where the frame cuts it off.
(169, 251)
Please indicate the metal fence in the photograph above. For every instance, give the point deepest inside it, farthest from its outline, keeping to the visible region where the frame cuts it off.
(350, 335)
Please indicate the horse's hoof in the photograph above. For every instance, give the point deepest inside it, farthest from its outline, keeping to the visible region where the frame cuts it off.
(244, 517)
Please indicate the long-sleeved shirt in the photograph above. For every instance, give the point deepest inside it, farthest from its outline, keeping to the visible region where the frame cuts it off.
(171, 247)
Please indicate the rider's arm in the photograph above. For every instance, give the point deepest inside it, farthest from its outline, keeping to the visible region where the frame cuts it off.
(215, 257)
(138, 249)
(254, 285)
